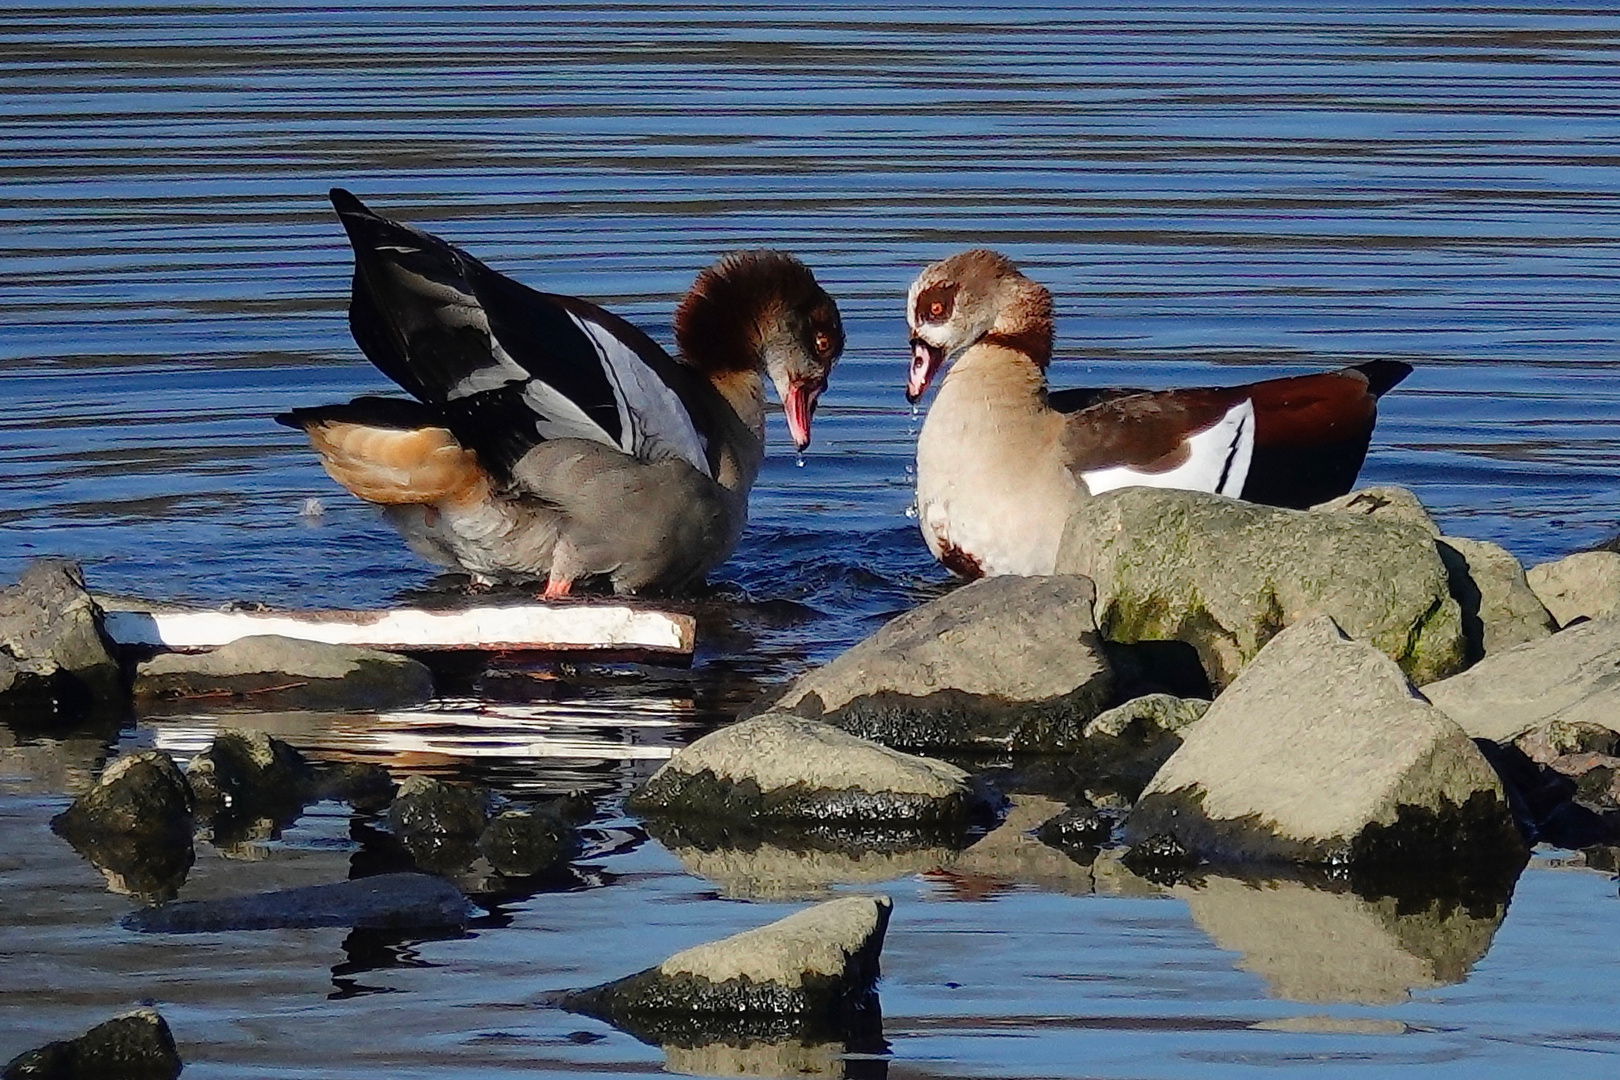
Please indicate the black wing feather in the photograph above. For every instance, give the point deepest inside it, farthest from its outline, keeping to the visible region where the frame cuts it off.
(425, 313)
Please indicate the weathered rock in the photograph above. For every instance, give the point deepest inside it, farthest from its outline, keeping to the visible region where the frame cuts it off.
(1553, 740)
(1326, 943)
(364, 785)
(248, 768)
(1132, 740)
(426, 805)
(1005, 663)
(521, 843)
(134, 1046)
(386, 901)
(1008, 856)
(1226, 576)
(1321, 752)
(143, 794)
(792, 770)
(1498, 609)
(1594, 776)
(54, 651)
(1572, 677)
(1387, 504)
(1076, 827)
(287, 673)
(1585, 585)
(817, 966)
(135, 826)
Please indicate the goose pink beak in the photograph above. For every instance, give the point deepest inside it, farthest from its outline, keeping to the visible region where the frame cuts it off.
(925, 362)
(800, 405)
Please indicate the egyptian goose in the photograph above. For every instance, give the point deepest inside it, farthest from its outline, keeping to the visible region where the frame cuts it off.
(1002, 463)
(550, 439)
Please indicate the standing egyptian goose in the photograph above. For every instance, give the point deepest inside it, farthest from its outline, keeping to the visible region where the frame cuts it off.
(1002, 463)
(552, 440)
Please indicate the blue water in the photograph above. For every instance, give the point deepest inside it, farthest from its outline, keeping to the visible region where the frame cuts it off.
(1213, 191)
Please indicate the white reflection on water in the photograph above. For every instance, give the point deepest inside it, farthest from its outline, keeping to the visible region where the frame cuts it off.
(452, 730)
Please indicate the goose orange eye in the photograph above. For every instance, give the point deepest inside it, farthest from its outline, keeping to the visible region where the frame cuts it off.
(823, 343)
(936, 310)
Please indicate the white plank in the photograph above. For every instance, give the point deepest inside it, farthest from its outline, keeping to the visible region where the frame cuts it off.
(535, 627)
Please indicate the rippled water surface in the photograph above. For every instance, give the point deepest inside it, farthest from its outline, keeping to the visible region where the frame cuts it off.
(1213, 191)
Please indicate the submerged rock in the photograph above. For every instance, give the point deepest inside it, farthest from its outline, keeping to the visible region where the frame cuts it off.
(53, 653)
(135, 1046)
(1585, 585)
(386, 901)
(817, 967)
(1499, 609)
(787, 769)
(1572, 677)
(248, 768)
(1076, 828)
(426, 805)
(1321, 752)
(287, 673)
(521, 843)
(1131, 741)
(439, 824)
(140, 795)
(135, 826)
(1226, 576)
(364, 785)
(1004, 663)
(1009, 856)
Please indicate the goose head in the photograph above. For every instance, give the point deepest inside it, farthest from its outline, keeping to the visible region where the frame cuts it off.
(958, 302)
(763, 311)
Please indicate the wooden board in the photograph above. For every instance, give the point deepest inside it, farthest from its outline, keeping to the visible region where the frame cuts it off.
(570, 627)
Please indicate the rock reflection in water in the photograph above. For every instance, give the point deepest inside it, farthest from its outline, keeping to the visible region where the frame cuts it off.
(148, 869)
(588, 746)
(798, 864)
(1010, 857)
(1321, 942)
(55, 765)
(788, 1057)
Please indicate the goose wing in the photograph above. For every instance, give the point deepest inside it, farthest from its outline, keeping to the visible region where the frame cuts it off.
(508, 366)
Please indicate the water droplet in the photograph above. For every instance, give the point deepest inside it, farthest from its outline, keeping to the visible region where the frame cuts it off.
(911, 511)
(798, 459)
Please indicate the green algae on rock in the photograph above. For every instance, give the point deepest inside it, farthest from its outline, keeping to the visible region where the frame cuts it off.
(1227, 576)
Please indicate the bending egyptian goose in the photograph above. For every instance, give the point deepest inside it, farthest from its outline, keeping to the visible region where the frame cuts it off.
(550, 439)
(1002, 463)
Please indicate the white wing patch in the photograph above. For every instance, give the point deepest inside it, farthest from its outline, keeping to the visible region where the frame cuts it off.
(656, 425)
(1217, 460)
